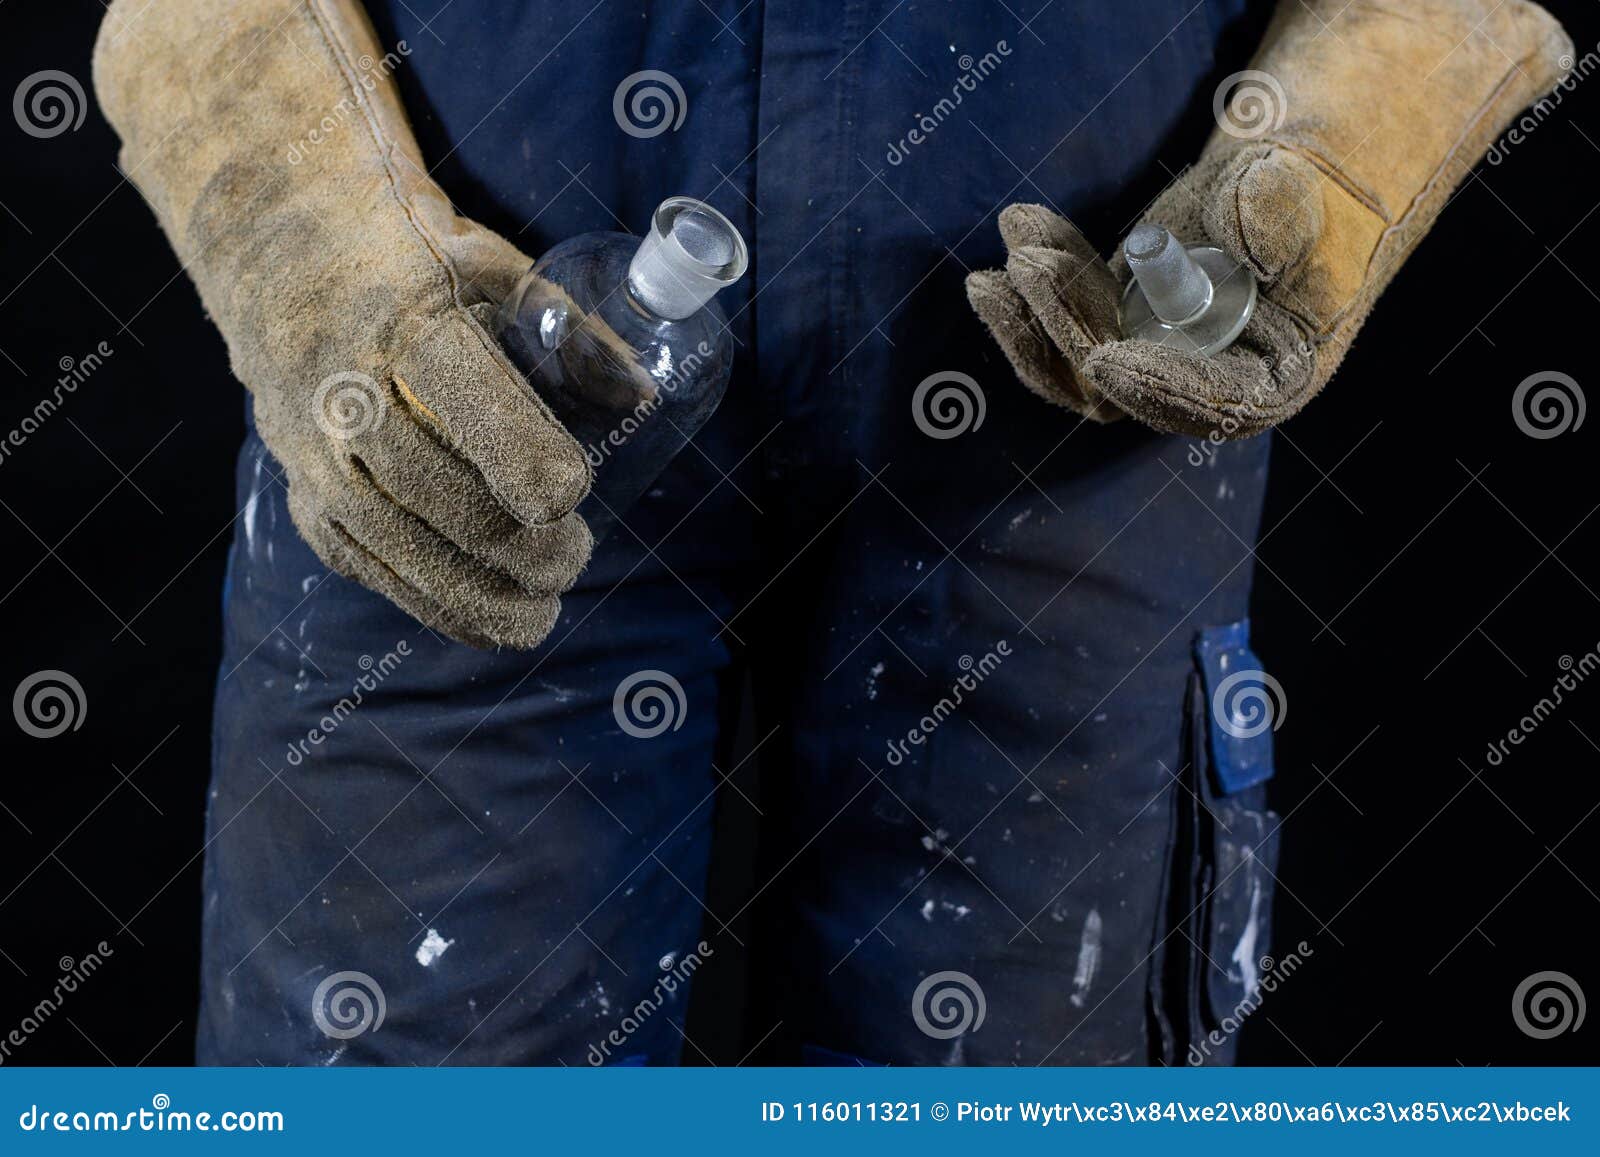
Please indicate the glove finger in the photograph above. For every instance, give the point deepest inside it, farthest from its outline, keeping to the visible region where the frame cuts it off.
(1032, 354)
(1073, 268)
(368, 538)
(1024, 225)
(1265, 209)
(456, 381)
(1259, 381)
(344, 556)
(1028, 227)
(488, 265)
(1072, 293)
(410, 467)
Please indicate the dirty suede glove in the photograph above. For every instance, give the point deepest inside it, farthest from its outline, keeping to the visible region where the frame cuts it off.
(269, 139)
(1333, 158)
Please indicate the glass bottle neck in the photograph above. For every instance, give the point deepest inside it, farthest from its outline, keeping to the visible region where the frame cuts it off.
(690, 253)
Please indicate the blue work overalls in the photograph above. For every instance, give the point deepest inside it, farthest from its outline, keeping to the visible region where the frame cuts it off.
(981, 636)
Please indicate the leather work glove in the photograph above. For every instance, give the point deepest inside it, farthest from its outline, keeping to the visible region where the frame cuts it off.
(269, 139)
(1355, 124)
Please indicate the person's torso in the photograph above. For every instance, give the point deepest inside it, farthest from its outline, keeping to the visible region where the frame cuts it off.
(864, 148)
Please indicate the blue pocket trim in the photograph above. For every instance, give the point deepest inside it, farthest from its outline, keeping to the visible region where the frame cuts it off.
(1241, 755)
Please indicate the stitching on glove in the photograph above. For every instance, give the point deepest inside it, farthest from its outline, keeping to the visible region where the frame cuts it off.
(1323, 330)
(1340, 179)
(336, 48)
(387, 147)
(1469, 133)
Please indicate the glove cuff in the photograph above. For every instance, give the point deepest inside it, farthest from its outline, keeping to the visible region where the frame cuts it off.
(269, 138)
(1392, 102)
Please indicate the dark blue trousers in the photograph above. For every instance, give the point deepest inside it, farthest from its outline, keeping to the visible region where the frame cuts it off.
(993, 828)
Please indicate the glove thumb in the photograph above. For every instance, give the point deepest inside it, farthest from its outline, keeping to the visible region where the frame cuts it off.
(1265, 209)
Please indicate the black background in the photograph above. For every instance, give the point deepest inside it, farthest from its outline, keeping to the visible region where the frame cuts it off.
(1425, 566)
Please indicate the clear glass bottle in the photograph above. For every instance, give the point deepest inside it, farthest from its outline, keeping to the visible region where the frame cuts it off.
(1193, 298)
(621, 338)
